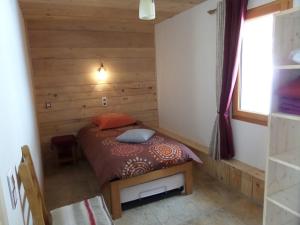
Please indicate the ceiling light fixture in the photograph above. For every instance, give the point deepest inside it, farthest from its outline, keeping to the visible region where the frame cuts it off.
(147, 10)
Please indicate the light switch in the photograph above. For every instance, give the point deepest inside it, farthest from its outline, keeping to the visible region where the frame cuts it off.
(104, 101)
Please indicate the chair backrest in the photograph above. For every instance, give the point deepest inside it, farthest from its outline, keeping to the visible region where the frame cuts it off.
(33, 193)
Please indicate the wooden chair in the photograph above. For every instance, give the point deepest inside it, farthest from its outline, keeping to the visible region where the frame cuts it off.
(91, 211)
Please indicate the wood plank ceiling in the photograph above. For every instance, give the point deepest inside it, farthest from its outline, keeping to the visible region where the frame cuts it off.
(112, 10)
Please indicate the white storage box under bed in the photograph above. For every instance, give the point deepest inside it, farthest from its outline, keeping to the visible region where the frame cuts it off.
(152, 188)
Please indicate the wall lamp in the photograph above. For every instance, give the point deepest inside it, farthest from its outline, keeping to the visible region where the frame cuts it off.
(101, 72)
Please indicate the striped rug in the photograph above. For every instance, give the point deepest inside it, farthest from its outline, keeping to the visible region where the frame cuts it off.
(88, 212)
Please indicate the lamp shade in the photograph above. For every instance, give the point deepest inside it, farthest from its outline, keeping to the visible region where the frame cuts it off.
(147, 10)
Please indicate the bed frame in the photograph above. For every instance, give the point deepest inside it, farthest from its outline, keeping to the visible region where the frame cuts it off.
(111, 191)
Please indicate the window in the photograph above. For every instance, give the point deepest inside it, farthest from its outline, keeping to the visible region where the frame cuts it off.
(256, 65)
(252, 96)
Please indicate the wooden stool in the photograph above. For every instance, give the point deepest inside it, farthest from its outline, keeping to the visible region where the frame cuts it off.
(65, 148)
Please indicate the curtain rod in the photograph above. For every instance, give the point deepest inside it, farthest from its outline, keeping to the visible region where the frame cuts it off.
(212, 11)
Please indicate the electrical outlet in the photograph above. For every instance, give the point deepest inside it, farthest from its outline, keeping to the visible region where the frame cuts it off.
(104, 101)
(48, 105)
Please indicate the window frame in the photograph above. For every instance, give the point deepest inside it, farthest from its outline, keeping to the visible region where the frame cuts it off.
(237, 113)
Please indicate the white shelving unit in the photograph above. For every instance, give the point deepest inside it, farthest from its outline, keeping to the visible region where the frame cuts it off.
(282, 188)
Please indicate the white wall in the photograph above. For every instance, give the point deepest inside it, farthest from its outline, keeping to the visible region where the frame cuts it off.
(186, 61)
(185, 57)
(17, 114)
(3, 217)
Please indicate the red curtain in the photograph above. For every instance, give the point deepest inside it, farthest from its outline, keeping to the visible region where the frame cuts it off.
(235, 15)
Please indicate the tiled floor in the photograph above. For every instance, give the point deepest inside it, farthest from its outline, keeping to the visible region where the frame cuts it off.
(210, 204)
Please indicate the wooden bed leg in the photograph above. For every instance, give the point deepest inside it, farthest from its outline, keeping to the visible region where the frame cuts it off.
(116, 209)
(188, 179)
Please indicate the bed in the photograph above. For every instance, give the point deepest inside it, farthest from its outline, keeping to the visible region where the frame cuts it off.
(128, 171)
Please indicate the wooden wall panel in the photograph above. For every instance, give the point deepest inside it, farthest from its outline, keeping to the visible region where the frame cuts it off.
(234, 175)
(91, 25)
(235, 179)
(84, 112)
(90, 79)
(247, 184)
(258, 190)
(94, 102)
(119, 88)
(66, 54)
(91, 53)
(89, 39)
(79, 66)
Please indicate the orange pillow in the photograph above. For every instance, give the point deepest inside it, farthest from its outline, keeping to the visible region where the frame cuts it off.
(113, 120)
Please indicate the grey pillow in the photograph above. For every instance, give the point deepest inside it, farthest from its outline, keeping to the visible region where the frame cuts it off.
(136, 135)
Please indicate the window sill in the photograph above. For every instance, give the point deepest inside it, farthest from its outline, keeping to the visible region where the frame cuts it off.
(251, 118)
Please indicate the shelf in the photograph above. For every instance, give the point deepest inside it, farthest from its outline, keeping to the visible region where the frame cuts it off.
(288, 199)
(286, 116)
(288, 67)
(279, 216)
(290, 159)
